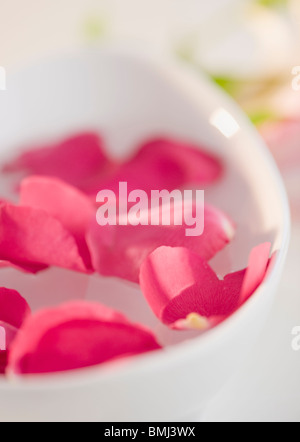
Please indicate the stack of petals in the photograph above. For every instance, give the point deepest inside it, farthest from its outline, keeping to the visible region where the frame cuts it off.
(54, 224)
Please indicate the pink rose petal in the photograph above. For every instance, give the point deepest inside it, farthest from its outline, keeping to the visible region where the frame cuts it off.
(120, 250)
(166, 164)
(257, 267)
(184, 292)
(13, 312)
(13, 308)
(76, 335)
(24, 268)
(177, 282)
(3, 361)
(75, 160)
(7, 335)
(72, 208)
(32, 239)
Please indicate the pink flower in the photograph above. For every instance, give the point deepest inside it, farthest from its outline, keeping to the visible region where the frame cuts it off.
(72, 208)
(120, 250)
(76, 335)
(184, 292)
(32, 240)
(55, 225)
(76, 160)
(13, 312)
(165, 164)
(13, 308)
(159, 164)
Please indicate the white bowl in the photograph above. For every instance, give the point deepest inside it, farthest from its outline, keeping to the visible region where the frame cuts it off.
(128, 99)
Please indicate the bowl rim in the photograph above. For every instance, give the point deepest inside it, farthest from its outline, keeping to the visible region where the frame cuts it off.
(189, 80)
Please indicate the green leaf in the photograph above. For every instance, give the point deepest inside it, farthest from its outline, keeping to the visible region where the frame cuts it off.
(230, 85)
(273, 3)
(94, 29)
(262, 116)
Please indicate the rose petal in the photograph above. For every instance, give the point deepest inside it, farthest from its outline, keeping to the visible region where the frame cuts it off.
(256, 271)
(3, 361)
(165, 164)
(13, 308)
(75, 160)
(7, 335)
(65, 203)
(33, 240)
(120, 250)
(22, 267)
(13, 312)
(184, 292)
(177, 282)
(76, 335)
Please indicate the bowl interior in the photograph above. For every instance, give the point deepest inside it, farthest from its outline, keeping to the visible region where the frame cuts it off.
(128, 100)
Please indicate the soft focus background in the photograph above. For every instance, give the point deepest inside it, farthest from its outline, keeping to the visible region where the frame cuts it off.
(251, 48)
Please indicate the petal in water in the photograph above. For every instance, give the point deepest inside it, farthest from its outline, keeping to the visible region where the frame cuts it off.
(13, 308)
(185, 293)
(256, 271)
(168, 165)
(3, 361)
(68, 205)
(13, 312)
(76, 335)
(120, 250)
(75, 160)
(33, 240)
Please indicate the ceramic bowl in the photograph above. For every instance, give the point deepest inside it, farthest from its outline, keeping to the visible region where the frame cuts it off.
(129, 98)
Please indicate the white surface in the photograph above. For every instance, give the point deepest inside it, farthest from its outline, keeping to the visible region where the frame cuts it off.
(226, 37)
(267, 387)
(41, 27)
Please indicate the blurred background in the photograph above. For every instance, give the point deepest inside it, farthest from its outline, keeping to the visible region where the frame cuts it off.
(251, 48)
